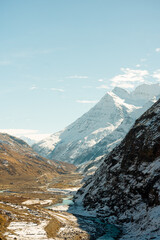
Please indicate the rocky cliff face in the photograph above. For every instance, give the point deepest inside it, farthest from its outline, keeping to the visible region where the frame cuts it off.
(100, 129)
(126, 187)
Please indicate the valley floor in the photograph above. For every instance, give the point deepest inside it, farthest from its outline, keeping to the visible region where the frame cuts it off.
(42, 210)
(24, 214)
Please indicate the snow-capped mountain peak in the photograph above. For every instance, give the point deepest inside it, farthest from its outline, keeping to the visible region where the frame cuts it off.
(146, 91)
(105, 123)
(122, 93)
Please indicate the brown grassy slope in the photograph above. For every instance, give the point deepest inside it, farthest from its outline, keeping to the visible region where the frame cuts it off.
(17, 159)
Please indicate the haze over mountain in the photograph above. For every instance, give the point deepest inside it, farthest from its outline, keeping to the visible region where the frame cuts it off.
(126, 187)
(101, 128)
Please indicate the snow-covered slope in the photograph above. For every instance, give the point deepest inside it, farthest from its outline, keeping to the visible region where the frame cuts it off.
(101, 128)
(28, 140)
(126, 187)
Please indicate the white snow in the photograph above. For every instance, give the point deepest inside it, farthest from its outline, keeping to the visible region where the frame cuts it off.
(27, 231)
(37, 201)
(144, 226)
(59, 208)
(108, 120)
(130, 192)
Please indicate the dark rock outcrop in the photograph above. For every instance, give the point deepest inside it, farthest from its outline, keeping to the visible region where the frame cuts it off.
(127, 184)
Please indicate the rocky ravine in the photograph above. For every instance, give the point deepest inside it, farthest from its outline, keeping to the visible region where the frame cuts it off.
(126, 187)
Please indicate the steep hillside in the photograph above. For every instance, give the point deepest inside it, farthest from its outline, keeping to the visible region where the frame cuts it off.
(126, 187)
(28, 184)
(100, 129)
(18, 160)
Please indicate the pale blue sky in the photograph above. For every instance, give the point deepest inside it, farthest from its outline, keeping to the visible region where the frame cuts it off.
(58, 57)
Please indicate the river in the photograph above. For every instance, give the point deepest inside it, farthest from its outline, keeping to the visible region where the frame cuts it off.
(96, 227)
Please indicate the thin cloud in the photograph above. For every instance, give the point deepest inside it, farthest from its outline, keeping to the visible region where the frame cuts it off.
(19, 131)
(103, 87)
(126, 85)
(86, 101)
(143, 59)
(101, 80)
(5, 63)
(157, 50)
(129, 78)
(31, 77)
(33, 88)
(77, 77)
(87, 86)
(156, 74)
(29, 133)
(37, 137)
(58, 89)
(32, 53)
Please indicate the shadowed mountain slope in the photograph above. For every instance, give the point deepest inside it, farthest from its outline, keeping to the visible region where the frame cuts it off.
(126, 187)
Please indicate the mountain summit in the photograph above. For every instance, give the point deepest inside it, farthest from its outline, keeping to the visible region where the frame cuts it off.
(101, 128)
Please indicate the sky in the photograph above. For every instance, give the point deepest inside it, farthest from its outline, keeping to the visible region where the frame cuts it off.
(59, 57)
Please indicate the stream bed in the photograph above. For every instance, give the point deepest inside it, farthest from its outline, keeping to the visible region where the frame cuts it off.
(96, 227)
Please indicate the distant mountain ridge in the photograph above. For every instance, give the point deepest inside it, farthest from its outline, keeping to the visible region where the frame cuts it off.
(28, 140)
(101, 128)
